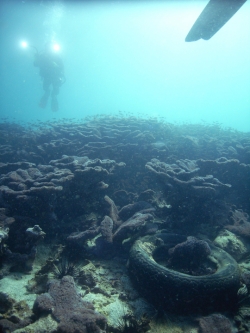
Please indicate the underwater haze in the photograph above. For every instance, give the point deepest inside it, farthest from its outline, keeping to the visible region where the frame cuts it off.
(129, 57)
(124, 166)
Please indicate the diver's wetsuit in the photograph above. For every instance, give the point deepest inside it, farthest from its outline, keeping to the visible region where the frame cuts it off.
(51, 71)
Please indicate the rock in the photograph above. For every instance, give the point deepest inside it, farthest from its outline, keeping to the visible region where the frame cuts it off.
(42, 325)
(230, 243)
(215, 323)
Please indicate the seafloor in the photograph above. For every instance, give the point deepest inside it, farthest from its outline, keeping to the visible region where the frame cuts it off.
(76, 195)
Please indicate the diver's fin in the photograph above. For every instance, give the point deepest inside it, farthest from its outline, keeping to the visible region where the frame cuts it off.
(44, 100)
(54, 104)
(212, 18)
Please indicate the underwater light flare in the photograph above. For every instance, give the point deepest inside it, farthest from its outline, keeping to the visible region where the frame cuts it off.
(56, 47)
(24, 44)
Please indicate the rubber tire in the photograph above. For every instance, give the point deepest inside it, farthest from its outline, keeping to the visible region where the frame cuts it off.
(181, 293)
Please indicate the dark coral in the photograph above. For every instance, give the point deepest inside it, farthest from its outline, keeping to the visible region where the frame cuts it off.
(215, 323)
(5, 220)
(231, 171)
(80, 237)
(188, 192)
(69, 310)
(240, 223)
(33, 181)
(184, 176)
(22, 262)
(6, 325)
(113, 213)
(189, 256)
(13, 315)
(245, 278)
(106, 229)
(43, 187)
(6, 302)
(21, 255)
(136, 222)
(129, 210)
(66, 164)
(5, 223)
(34, 234)
(22, 236)
(112, 228)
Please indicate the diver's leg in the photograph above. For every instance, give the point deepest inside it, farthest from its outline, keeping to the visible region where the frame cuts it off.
(45, 97)
(54, 102)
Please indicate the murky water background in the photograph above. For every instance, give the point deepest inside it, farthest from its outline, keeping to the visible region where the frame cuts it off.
(127, 56)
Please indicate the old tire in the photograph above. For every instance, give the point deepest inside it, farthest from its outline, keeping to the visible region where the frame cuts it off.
(181, 293)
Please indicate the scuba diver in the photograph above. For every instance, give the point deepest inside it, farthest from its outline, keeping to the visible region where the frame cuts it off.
(52, 73)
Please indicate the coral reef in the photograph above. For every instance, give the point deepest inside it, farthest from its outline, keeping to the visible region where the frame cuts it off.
(183, 176)
(112, 228)
(95, 186)
(69, 310)
(189, 192)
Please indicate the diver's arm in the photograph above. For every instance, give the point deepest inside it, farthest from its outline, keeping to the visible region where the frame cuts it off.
(60, 67)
